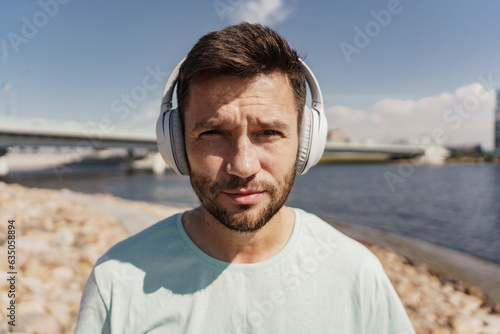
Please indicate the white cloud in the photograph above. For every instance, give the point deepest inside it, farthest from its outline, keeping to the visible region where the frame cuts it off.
(266, 12)
(144, 116)
(465, 116)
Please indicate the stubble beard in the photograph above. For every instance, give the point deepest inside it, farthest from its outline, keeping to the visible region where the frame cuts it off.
(242, 220)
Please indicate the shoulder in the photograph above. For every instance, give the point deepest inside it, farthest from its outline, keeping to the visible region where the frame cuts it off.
(344, 251)
(141, 251)
(153, 237)
(352, 270)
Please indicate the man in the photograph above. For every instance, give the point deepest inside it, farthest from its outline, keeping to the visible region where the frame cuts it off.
(242, 262)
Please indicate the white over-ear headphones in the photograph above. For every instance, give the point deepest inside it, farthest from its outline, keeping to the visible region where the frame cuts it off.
(170, 135)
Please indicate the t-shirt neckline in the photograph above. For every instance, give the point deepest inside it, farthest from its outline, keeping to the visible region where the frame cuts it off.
(242, 266)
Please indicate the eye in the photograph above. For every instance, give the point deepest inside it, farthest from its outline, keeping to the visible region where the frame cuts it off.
(210, 132)
(270, 133)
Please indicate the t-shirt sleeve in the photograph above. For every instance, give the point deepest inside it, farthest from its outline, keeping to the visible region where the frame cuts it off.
(386, 313)
(94, 315)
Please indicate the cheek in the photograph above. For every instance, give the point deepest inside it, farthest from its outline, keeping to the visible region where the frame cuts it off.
(202, 162)
(280, 159)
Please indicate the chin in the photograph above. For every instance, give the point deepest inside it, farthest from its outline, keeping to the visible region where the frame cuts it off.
(242, 217)
(245, 218)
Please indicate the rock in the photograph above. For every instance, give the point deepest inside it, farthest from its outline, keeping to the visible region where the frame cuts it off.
(61, 312)
(47, 224)
(4, 327)
(469, 304)
(91, 253)
(63, 274)
(40, 324)
(71, 217)
(441, 330)
(64, 237)
(466, 325)
(36, 268)
(34, 284)
(496, 308)
(33, 245)
(491, 323)
(31, 307)
(412, 299)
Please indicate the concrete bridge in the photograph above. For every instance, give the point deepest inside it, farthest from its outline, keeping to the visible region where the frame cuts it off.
(40, 132)
(82, 138)
(401, 151)
(16, 132)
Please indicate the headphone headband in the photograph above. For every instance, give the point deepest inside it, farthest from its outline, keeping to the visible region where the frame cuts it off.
(168, 92)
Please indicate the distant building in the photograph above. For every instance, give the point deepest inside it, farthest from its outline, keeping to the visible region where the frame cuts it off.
(338, 135)
(497, 125)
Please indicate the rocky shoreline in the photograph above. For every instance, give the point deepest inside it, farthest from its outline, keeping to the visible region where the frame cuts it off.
(60, 235)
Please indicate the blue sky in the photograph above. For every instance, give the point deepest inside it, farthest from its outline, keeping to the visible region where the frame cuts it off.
(429, 65)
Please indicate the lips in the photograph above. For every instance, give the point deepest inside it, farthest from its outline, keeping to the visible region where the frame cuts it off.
(246, 196)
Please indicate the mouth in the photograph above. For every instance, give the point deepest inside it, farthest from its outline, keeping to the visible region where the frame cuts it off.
(244, 196)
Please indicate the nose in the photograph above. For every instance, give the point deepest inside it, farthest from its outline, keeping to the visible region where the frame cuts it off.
(244, 159)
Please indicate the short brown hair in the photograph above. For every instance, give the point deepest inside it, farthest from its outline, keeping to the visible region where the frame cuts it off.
(245, 50)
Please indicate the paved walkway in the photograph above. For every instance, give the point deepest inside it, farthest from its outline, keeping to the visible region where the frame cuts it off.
(134, 220)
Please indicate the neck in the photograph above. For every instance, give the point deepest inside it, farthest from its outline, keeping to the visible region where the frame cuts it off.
(226, 245)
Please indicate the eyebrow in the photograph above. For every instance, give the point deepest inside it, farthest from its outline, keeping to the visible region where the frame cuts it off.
(275, 124)
(206, 124)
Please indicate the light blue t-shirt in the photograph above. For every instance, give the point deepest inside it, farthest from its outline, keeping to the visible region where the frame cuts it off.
(159, 281)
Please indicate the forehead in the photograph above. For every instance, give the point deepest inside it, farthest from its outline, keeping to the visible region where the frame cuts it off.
(268, 95)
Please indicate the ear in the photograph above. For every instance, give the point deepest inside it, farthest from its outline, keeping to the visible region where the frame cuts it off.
(170, 139)
(304, 141)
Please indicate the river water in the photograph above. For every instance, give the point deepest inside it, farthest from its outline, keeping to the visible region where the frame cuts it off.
(456, 206)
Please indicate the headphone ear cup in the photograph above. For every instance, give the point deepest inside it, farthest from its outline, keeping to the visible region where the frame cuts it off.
(170, 140)
(312, 139)
(304, 140)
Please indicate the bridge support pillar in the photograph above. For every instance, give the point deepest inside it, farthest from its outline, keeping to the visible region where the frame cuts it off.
(496, 159)
(130, 161)
(4, 167)
(158, 165)
(435, 155)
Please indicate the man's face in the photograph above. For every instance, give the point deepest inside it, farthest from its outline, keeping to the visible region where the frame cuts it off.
(241, 142)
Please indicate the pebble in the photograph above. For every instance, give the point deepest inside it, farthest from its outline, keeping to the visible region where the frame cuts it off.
(40, 324)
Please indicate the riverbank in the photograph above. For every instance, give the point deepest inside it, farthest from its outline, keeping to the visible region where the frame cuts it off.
(60, 235)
